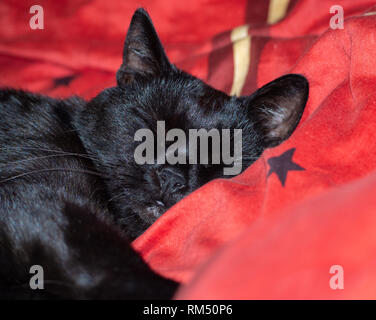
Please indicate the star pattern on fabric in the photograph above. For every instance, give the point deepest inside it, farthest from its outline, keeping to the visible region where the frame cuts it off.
(63, 81)
(282, 164)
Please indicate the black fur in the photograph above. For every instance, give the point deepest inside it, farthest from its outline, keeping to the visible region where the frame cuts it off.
(71, 195)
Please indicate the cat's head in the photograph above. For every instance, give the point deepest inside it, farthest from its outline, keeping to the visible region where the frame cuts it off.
(151, 89)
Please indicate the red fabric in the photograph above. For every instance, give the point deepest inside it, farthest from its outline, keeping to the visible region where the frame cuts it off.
(248, 237)
(290, 257)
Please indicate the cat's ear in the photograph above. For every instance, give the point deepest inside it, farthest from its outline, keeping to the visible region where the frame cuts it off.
(278, 106)
(143, 53)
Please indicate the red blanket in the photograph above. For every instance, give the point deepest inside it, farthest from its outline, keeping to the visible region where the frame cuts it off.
(300, 222)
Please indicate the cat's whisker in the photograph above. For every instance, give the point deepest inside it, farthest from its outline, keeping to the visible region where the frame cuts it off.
(31, 148)
(57, 153)
(47, 157)
(116, 197)
(51, 170)
(48, 150)
(125, 219)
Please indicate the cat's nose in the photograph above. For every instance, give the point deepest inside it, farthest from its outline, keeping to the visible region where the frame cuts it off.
(171, 180)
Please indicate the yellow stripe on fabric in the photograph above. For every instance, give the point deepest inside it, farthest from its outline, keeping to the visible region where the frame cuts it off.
(242, 57)
(277, 10)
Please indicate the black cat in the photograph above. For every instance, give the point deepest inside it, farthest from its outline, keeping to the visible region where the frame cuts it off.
(72, 196)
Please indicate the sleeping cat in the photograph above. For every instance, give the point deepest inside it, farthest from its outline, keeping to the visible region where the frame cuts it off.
(72, 196)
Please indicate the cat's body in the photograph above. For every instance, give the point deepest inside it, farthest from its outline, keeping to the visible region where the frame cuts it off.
(71, 194)
(56, 214)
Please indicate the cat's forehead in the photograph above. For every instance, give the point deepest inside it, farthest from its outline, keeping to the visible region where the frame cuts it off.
(178, 87)
(176, 98)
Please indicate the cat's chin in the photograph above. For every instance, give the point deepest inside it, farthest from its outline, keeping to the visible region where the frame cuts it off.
(151, 213)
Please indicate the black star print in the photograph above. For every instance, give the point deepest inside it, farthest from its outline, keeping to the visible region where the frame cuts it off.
(283, 164)
(63, 81)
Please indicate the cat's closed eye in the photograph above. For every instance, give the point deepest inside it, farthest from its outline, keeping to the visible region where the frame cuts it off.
(171, 179)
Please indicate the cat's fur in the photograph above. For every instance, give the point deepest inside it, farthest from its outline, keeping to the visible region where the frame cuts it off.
(72, 196)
